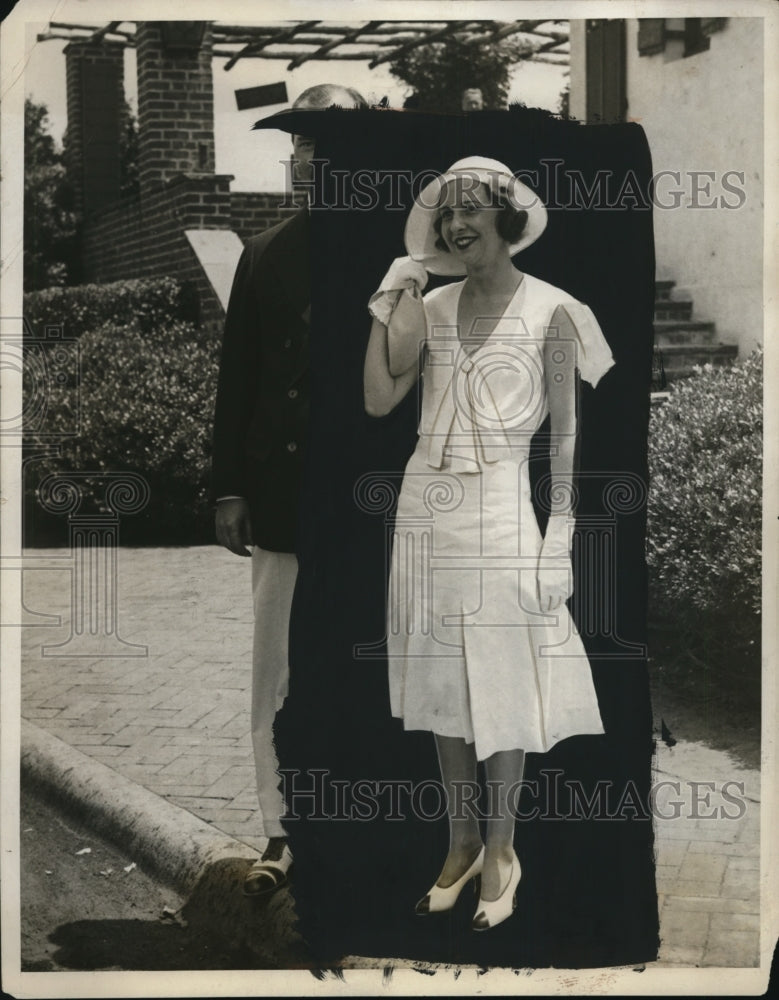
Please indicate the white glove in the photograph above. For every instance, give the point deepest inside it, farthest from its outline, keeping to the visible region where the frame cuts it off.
(403, 273)
(555, 571)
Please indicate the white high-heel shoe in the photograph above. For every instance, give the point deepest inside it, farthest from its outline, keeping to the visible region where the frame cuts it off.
(440, 899)
(491, 912)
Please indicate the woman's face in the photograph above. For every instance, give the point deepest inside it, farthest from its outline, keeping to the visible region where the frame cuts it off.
(468, 215)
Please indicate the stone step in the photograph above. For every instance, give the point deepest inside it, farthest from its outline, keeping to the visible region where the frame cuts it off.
(679, 359)
(674, 375)
(708, 352)
(663, 290)
(683, 331)
(673, 309)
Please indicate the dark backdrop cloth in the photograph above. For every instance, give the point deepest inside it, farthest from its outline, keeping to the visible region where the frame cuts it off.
(587, 895)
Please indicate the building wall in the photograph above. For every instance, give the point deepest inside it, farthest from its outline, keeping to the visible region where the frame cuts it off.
(705, 113)
(175, 103)
(577, 107)
(145, 237)
(95, 94)
(251, 212)
(139, 238)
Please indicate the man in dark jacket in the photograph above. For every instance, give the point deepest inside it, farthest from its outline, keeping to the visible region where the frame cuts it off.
(260, 430)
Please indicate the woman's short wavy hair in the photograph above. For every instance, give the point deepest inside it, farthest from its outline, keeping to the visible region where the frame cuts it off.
(509, 221)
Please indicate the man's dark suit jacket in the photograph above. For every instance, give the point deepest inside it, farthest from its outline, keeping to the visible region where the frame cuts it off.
(262, 403)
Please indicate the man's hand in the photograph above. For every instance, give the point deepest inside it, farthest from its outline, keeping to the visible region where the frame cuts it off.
(233, 526)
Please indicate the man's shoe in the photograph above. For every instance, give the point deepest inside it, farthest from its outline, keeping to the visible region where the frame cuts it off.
(271, 872)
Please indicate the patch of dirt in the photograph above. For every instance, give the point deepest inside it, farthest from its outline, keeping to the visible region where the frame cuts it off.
(701, 703)
(82, 909)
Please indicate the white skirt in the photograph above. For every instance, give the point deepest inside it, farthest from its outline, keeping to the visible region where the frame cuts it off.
(470, 653)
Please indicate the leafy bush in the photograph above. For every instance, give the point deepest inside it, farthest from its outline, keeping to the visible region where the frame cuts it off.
(439, 72)
(150, 303)
(704, 530)
(145, 398)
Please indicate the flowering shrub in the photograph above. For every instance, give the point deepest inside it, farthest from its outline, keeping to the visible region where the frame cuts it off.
(704, 527)
(150, 302)
(145, 399)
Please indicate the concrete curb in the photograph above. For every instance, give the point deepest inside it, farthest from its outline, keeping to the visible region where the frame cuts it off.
(203, 864)
(165, 839)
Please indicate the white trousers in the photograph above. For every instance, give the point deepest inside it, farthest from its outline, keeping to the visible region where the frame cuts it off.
(273, 581)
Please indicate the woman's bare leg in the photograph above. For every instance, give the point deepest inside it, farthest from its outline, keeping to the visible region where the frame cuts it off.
(504, 773)
(458, 772)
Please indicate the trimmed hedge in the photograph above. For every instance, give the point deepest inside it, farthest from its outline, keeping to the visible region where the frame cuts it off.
(150, 303)
(704, 511)
(146, 402)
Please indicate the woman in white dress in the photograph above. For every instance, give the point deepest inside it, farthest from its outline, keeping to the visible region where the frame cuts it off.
(481, 646)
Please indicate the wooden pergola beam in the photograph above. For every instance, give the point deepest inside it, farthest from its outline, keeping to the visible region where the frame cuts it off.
(109, 29)
(376, 42)
(291, 55)
(223, 31)
(323, 50)
(433, 36)
(91, 32)
(282, 35)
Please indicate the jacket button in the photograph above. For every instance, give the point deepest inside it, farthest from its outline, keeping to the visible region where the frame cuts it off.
(466, 366)
(292, 446)
(288, 343)
(292, 393)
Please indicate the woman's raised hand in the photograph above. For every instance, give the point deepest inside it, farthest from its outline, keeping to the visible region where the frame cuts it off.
(392, 361)
(404, 273)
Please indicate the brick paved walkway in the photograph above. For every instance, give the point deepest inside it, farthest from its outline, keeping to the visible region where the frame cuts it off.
(175, 719)
(707, 858)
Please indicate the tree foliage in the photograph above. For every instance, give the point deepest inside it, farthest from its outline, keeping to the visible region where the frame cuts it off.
(438, 73)
(50, 219)
(129, 183)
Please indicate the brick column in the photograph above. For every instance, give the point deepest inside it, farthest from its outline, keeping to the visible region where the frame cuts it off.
(95, 94)
(175, 105)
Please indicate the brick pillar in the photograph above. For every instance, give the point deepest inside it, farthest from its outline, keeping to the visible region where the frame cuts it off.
(95, 93)
(175, 102)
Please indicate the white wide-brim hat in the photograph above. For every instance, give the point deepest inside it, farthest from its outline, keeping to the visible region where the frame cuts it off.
(420, 236)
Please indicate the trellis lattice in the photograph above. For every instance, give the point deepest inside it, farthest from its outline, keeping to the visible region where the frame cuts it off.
(375, 42)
